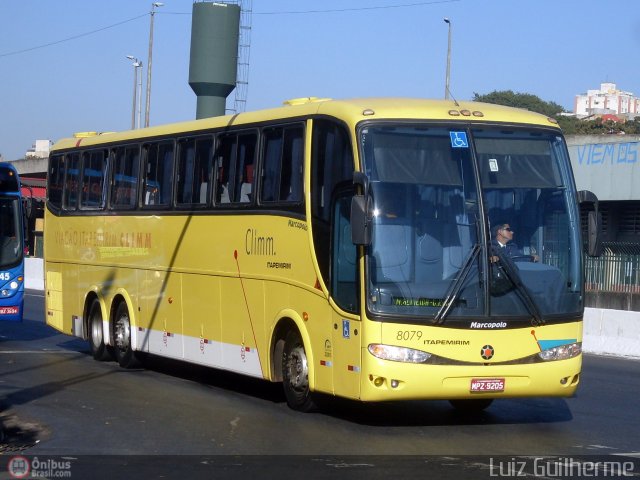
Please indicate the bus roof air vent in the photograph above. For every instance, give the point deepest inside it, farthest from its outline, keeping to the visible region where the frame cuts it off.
(304, 100)
(90, 134)
(84, 134)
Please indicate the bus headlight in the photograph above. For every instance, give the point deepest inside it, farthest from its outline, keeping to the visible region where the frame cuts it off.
(398, 354)
(562, 352)
(11, 288)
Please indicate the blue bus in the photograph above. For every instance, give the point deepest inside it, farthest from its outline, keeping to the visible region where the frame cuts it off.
(11, 245)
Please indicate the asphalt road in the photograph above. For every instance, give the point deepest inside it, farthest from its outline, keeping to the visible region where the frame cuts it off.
(55, 400)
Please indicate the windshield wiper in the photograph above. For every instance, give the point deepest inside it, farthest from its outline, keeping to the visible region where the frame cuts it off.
(456, 286)
(521, 288)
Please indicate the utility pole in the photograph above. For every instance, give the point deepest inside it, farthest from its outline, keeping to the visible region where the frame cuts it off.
(448, 77)
(148, 103)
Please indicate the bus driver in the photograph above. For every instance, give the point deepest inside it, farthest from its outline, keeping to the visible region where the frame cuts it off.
(503, 238)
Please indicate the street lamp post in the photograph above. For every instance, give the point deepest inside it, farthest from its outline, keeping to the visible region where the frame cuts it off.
(448, 77)
(137, 91)
(139, 75)
(148, 102)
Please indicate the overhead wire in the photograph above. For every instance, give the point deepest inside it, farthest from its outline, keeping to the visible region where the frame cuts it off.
(290, 12)
(356, 9)
(74, 37)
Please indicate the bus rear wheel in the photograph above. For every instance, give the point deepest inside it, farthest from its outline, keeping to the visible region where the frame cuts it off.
(96, 333)
(471, 405)
(125, 355)
(295, 374)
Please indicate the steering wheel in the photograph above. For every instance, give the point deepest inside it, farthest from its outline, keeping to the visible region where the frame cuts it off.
(522, 258)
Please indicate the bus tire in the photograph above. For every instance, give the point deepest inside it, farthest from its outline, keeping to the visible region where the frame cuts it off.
(295, 374)
(99, 350)
(125, 355)
(471, 405)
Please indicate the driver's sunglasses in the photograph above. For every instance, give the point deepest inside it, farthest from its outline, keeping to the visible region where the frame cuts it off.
(508, 229)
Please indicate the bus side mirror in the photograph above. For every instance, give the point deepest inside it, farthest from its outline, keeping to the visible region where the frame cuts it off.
(360, 221)
(360, 225)
(594, 248)
(594, 223)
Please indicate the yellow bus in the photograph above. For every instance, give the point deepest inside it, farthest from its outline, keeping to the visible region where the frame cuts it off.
(339, 247)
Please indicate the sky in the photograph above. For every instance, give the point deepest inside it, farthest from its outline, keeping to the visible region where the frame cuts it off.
(63, 65)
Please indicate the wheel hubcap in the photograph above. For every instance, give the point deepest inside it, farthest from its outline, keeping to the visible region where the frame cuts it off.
(96, 332)
(122, 333)
(298, 370)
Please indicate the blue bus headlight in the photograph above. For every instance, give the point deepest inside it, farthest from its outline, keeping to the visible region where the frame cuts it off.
(11, 288)
(562, 352)
(398, 354)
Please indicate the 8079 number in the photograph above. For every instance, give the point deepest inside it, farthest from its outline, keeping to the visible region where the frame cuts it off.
(409, 335)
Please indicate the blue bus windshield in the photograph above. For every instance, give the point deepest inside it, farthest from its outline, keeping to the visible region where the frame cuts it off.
(11, 246)
(10, 232)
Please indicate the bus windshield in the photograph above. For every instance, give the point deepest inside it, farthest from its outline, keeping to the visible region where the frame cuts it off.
(441, 195)
(10, 232)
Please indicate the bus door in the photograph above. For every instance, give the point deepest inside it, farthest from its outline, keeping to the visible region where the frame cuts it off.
(347, 328)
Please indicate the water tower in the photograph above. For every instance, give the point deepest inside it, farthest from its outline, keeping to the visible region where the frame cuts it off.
(214, 55)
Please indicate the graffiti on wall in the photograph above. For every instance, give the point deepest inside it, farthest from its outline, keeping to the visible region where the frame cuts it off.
(607, 153)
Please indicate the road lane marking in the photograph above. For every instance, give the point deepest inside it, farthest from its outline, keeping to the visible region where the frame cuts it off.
(34, 295)
(39, 351)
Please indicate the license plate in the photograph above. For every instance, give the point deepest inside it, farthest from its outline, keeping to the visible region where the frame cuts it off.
(9, 310)
(487, 385)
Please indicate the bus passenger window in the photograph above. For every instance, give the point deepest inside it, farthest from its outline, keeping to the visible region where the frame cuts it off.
(186, 163)
(225, 152)
(292, 157)
(126, 168)
(234, 164)
(71, 182)
(55, 178)
(158, 174)
(202, 177)
(271, 164)
(247, 184)
(283, 157)
(194, 165)
(244, 168)
(93, 172)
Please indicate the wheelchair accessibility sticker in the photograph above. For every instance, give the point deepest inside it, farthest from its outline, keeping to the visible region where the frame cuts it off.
(459, 140)
(346, 330)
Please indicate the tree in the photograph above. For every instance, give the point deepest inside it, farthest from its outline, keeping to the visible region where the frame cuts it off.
(569, 125)
(520, 100)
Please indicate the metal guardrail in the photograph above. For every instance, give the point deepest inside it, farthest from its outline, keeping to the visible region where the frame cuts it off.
(616, 270)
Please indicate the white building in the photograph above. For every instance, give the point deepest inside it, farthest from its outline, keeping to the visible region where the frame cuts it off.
(39, 150)
(607, 100)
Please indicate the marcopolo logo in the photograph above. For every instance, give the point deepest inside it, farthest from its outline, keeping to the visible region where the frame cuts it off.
(22, 467)
(488, 325)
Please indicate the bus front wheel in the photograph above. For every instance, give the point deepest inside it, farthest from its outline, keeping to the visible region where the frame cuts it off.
(125, 355)
(96, 338)
(295, 374)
